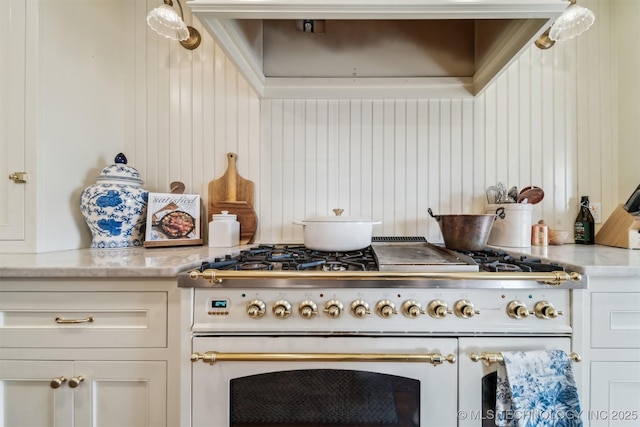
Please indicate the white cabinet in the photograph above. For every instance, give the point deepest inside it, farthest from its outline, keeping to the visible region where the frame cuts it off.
(83, 393)
(12, 119)
(100, 357)
(608, 331)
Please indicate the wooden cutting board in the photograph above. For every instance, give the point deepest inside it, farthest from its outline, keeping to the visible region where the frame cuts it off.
(233, 193)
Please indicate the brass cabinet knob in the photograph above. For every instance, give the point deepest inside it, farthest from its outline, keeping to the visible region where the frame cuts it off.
(545, 310)
(333, 308)
(281, 309)
(360, 308)
(386, 308)
(308, 309)
(517, 310)
(464, 308)
(75, 381)
(256, 308)
(438, 309)
(412, 309)
(57, 382)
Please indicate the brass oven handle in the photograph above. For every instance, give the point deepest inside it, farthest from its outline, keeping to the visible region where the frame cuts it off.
(60, 320)
(553, 278)
(212, 357)
(489, 358)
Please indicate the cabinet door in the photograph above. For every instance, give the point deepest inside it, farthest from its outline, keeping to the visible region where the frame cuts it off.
(615, 394)
(12, 119)
(121, 393)
(28, 398)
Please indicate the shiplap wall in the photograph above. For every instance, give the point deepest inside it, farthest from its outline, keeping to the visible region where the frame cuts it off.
(548, 121)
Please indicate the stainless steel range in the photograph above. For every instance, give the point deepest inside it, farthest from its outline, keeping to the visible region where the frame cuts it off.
(293, 337)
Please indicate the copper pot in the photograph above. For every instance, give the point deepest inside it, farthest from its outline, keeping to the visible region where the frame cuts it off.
(466, 232)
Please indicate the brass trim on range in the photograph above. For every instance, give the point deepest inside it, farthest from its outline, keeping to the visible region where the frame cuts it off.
(555, 278)
(489, 358)
(212, 357)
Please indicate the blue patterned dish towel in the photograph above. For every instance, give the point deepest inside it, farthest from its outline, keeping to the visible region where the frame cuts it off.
(537, 389)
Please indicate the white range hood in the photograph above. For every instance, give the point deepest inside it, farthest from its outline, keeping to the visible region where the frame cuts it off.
(375, 48)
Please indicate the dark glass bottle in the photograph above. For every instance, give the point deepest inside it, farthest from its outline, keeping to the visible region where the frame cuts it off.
(584, 227)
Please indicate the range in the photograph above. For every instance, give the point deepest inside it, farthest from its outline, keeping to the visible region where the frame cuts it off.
(295, 337)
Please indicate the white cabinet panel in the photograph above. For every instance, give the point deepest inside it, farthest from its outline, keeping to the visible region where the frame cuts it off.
(615, 320)
(12, 119)
(83, 319)
(615, 394)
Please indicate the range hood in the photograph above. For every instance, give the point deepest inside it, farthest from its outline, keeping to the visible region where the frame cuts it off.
(374, 48)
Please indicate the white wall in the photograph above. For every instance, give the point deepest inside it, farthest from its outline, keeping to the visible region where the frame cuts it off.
(551, 120)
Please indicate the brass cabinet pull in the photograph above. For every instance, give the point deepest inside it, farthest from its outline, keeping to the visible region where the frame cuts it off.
(489, 358)
(57, 382)
(18, 177)
(71, 321)
(212, 357)
(75, 381)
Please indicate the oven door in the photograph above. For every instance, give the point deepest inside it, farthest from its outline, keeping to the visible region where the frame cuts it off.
(478, 380)
(324, 381)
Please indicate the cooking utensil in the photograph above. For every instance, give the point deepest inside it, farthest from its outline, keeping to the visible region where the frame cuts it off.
(512, 195)
(492, 195)
(337, 233)
(531, 195)
(466, 232)
(234, 194)
(502, 192)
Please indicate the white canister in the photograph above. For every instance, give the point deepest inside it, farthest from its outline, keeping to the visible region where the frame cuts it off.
(224, 230)
(514, 231)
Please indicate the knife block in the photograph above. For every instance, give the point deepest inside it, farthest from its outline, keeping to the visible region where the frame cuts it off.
(621, 230)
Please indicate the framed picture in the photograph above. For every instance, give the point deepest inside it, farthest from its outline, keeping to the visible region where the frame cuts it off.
(173, 220)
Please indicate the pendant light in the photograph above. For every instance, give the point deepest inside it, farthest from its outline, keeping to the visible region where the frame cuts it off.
(165, 21)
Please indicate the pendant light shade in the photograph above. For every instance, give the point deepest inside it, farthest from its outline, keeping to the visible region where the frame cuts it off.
(574, 21)
(166, 21)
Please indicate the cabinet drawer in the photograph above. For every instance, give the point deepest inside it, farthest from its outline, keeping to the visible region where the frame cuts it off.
(83, 319)
(615, 320)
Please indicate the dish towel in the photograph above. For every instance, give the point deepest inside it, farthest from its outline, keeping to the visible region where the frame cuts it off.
(537, 389)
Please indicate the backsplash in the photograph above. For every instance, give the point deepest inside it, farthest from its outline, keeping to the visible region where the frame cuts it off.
(548, 121)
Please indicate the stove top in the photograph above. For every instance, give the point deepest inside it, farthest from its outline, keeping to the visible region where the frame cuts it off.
(398, 254)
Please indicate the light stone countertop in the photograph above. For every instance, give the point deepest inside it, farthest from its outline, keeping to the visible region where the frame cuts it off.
(128, 262)
(167, 262)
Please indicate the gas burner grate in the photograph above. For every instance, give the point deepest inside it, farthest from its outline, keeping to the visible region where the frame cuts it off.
(496, 260)
(294, 257)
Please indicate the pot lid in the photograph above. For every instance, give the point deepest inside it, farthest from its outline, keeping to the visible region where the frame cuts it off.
(120, 172)
(339, 218)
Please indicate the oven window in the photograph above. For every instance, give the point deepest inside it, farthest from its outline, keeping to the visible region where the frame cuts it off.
(324, 397)
(489, 387)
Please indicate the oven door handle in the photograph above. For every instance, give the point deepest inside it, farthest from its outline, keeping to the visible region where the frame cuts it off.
(212, 357)
(490, 358)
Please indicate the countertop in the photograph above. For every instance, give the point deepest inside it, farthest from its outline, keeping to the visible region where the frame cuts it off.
(593, 261)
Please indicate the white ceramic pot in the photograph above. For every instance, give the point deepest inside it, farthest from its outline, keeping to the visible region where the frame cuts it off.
(115, 207)
(337, 233)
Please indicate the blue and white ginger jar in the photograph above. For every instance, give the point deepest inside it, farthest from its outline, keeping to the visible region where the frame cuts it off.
(115, 207)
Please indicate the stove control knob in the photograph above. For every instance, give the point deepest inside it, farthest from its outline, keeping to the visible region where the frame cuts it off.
(464, 309)
(333, 308)
(256, 308)
(545, 310)
(281, 309)
(308, 309)
(360, 309)
(517, 310)
(411, 308)
(438, 309)
(386, 308)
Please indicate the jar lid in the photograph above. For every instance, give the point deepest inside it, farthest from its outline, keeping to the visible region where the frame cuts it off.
(224, 216)
(120, 172)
